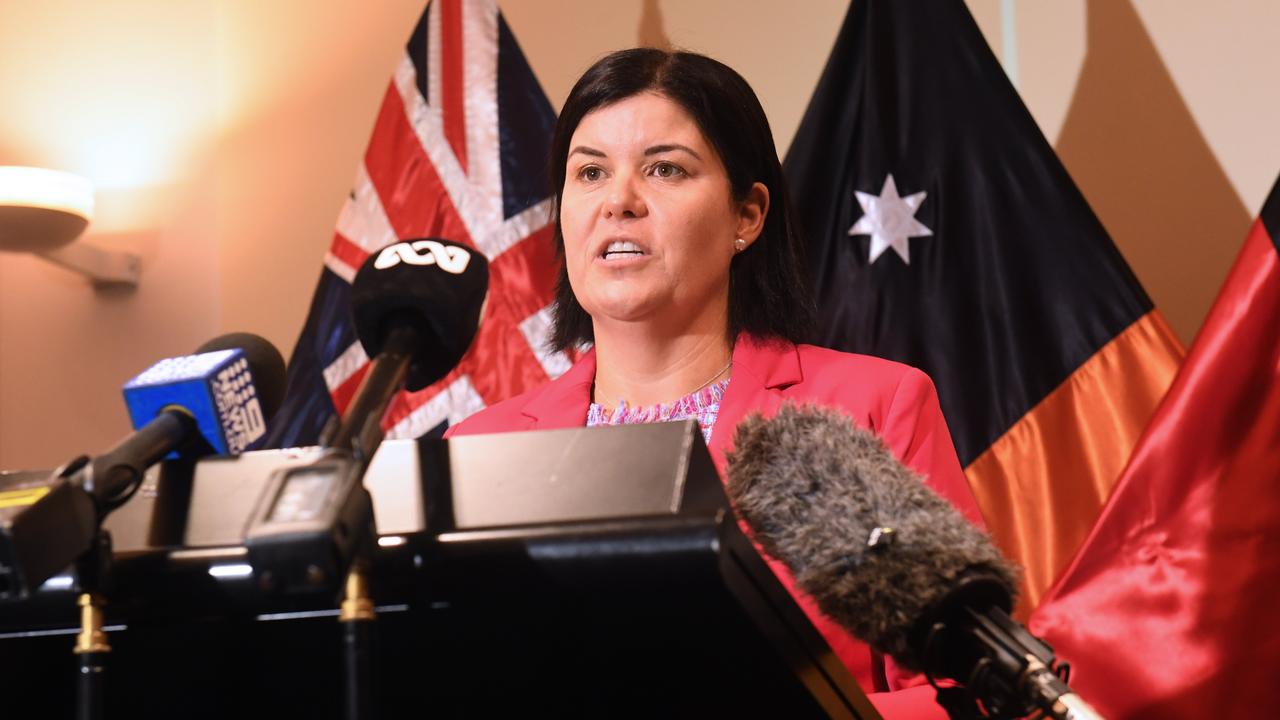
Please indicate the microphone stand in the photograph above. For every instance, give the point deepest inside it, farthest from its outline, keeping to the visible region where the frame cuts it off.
(92, 573)
(92, 645)
(110, 480)
(356, 617)
(360, 433)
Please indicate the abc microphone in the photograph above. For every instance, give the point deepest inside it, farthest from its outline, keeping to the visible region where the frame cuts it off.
(891, 561)
(417, 306)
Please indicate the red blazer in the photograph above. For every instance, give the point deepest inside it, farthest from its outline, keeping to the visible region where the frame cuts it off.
(895, 401)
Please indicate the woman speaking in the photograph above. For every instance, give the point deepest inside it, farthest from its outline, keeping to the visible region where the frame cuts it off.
(683, 272)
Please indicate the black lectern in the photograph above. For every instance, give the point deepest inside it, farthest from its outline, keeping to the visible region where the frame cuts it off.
(575, 573)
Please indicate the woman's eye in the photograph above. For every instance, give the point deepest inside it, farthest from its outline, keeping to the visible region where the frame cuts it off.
(667, 170)
(590, 173)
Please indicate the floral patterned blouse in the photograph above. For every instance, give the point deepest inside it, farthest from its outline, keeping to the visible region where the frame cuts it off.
(702, 405)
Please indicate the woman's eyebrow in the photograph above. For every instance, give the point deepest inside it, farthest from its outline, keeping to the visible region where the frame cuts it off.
(583, 149)
(669, 147)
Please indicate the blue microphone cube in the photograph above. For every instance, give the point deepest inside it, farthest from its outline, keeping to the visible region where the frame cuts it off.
(216, 388)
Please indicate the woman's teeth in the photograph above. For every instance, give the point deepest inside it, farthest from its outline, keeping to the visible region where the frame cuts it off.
(622, 247)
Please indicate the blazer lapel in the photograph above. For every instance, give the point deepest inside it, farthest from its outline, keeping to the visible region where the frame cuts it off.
(761, 371)
(563, 402)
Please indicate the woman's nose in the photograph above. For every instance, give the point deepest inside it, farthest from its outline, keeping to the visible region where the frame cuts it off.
(625, 200)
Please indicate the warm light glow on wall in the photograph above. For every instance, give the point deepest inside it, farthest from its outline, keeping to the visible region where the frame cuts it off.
(123, 93)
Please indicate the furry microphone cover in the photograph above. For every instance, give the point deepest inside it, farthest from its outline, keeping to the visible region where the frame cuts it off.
(814, 488)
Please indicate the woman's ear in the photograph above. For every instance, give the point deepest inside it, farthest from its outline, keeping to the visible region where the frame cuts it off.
(752, 211)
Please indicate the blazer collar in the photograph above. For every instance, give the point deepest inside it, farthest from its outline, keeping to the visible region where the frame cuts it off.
(770, 364)
(563, 402)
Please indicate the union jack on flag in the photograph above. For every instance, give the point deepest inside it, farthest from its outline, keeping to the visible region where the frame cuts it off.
(458, 151)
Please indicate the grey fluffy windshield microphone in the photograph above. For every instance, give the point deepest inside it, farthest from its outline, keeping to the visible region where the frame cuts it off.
(890, 560)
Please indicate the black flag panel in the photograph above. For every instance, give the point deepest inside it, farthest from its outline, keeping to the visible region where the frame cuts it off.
(945, 233)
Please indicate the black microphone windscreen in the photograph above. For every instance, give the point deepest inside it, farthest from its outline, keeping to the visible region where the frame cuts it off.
(436, 287)
(879, 551)
(266, 366)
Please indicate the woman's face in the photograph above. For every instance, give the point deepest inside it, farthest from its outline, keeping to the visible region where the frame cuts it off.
(648, 217)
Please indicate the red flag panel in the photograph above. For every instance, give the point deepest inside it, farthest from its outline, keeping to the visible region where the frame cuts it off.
(1167, 611)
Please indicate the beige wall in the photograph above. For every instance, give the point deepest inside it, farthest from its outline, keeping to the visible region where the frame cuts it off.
(223, 136)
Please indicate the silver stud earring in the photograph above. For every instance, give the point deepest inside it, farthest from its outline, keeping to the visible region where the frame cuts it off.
(739, 245)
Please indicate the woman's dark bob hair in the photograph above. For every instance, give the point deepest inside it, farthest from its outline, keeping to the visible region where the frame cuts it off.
(768, 282)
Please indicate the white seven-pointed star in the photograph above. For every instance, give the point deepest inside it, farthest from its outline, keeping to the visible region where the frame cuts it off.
(889, 220)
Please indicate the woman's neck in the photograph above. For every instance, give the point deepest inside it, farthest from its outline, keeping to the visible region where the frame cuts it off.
(643, 368)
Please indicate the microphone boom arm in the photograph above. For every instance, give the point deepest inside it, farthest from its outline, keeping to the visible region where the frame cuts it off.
(1015, 673)
(112, 477)
(360, 430)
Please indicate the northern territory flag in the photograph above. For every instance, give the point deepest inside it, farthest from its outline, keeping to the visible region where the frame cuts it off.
(945, 233)
(458, 151)
(1169, 610)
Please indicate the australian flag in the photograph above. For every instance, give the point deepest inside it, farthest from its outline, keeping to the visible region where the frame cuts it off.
(458, 151)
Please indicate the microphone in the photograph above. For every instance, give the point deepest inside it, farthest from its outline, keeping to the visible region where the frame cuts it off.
(416, 306)
(435, 288)
(188, 406)
(215, 401)
(890, 560)
(266, 362)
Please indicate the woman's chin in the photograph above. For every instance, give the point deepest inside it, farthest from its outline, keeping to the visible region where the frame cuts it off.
(626, 310)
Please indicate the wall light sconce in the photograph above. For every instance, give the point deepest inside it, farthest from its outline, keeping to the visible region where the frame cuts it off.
(44, 211)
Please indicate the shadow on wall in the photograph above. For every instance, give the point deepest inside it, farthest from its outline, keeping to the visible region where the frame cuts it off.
(652, 31)
(1134, 149)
